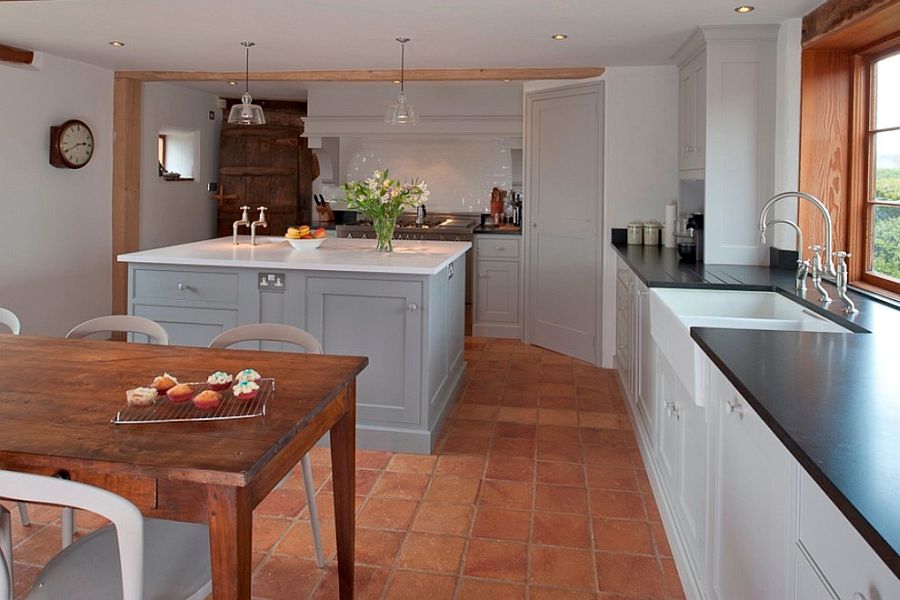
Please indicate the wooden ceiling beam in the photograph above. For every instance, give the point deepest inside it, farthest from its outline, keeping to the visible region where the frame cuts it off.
(849, 23)
(16, 55)
(362, 75)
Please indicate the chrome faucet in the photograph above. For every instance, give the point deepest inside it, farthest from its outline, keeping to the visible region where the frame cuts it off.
(802, 265)
(841, 280)
(261, 222)
(245, 220)
(816, 270)
(826, 217)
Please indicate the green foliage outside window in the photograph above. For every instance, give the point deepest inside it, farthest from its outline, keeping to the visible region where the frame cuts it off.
(886, 255)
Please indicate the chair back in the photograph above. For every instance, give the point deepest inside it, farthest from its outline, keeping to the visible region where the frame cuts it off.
(123, 514)
(6, 577)
(268, 332)
(123, 323)
(9, 318)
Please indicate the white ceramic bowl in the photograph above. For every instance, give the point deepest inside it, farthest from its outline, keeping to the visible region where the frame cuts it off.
(310, 244)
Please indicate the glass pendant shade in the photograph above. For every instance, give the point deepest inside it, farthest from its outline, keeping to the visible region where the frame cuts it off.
(246, 113)
(401, 112)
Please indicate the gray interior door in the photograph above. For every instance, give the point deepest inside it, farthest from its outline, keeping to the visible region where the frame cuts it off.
(564, 186)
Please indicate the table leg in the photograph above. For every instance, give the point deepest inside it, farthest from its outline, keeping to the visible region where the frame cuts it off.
(343, 474)
(230, 542)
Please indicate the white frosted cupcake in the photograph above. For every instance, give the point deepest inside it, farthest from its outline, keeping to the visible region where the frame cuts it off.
(247, 375)
(142, 396)
(219, 380)
(245, 390)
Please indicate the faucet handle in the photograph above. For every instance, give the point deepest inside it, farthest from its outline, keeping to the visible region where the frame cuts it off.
(262, 213)
(841, 255)
(245, 208)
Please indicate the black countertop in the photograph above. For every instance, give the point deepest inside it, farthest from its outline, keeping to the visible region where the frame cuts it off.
(494, 230)
(832, 399)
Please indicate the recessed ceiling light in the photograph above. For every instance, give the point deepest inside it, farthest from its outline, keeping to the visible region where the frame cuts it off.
(744, 9)
(232, 83)
(396, 82)
(559, 36)
(507, 80)
(116, 43)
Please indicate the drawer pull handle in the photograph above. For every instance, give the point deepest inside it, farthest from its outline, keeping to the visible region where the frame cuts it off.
(412, 307)
(734, 407)
(500, 248)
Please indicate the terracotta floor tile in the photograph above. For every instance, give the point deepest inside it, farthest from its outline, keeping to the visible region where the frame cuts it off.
(510, 469)
(431, 552)
(611, 478)
(553, 402)
(406, 585)
(387, 513)
(457, 443)
(422, 464)
(408, 486)
(488, 559)
(451, 519)
(474, 589)
(477, 412)
(617, 505)
(285, 577)
(562, 567)
(542, 593)
(608, 438)
(479, 397)
(25, 576)
(610, 457)
(460, 466)
(560, 499)
(512, 448)
(630, 574)
(377, 546)
(368, 584)
(371, 459)
(661, 539)
(652, 509)
(599, 420)
(519, 400)
(506, 494)
(671, 580)
(365, 481)
(558, 529)
(282, 503)
(557, 390)
(481, 429)
(502, 524)
(515, 430)
(267, 531)
(40, 547)
(298, 540)
(558, 433)
(597, 405)
(560, 474)
(559, 452)
(616, 535)
(452, 490)
(517, 415)
(643, 482)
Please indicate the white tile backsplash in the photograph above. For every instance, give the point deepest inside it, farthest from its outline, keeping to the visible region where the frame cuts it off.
(460, 172)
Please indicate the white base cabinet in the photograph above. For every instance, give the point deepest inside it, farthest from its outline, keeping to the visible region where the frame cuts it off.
(498, 286)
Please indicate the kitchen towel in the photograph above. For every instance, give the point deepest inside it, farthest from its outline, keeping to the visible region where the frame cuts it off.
(669, 225)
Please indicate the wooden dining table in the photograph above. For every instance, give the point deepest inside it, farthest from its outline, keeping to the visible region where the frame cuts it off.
(58, 397)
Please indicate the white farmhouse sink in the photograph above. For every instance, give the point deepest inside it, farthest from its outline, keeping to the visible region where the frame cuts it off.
(674, 311)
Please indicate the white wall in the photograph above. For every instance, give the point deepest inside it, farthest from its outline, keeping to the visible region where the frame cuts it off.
(640, 163)
(177, 212)
(56, 262)
(787, 129)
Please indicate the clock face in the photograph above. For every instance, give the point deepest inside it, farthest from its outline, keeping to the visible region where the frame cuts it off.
(76, 144)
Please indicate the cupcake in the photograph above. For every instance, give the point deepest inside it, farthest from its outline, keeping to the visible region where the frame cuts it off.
(245, 390)
(247, 375)
(162, 383)
(180, 393)
(219, 380)
(207, 399)
(142, 396)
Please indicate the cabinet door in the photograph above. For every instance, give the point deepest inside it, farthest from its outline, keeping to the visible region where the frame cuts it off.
(188, 326)
(498, 291)
(624, 335)
(383, 321)
(687, 114)
(809, 583)
(753, 520)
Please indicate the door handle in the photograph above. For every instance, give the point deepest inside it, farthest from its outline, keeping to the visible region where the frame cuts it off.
(412, 307)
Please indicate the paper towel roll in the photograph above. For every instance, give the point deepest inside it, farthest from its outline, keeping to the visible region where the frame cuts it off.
(669, 223)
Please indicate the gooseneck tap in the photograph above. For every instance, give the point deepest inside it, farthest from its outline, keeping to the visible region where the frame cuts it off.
(245, 220)
(802, 265)
(841, 280)
(261, 222)
(828, 266)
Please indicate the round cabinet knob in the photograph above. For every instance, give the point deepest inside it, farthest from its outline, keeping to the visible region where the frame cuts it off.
(499, 248)
(412, 307)
(534, 224)
(181, 287)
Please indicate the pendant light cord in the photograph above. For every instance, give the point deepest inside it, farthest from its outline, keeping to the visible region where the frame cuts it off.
(247, 73)
(402, 64)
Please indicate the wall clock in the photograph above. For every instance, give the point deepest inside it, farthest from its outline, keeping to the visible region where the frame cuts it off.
(71, 144)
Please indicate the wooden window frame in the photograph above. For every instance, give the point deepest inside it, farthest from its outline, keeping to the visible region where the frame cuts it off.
(859, 226)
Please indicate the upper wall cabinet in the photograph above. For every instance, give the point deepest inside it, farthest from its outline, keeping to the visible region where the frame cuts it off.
(727, 107)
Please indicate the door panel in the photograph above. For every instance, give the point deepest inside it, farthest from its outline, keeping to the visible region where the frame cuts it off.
(564, 189)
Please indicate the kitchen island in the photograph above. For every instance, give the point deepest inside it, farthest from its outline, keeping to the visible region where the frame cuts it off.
(404, 310)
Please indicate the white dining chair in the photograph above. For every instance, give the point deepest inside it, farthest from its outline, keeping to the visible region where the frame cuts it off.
(276, 332)
(133, 559)
(11, 321)
(121, 323)
(109, 324)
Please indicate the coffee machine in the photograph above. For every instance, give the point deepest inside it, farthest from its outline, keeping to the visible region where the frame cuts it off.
(689, 237)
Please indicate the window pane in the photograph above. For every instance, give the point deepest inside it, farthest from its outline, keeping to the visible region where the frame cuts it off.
(887, 92)
(886, 238)
(887, 166)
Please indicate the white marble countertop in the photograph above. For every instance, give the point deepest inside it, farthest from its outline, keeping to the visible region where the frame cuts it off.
(335, 254)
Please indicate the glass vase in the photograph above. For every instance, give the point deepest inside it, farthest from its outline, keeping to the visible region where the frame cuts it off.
(384, 232)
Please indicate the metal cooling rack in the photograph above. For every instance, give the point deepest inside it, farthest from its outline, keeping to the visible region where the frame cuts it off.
(166, 411)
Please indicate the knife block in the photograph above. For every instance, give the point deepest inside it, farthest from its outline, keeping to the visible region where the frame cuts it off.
(324, 213)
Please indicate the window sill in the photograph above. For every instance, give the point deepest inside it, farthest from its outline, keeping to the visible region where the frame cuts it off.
(179, 179)
(879, 293)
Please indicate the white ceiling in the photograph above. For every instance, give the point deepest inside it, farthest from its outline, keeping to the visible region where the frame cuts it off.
(341, 34)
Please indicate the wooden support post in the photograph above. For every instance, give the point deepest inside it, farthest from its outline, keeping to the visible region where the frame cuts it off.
(12, 54)
(126, 184)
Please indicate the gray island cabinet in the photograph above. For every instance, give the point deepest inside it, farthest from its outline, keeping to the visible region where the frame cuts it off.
(404, 310)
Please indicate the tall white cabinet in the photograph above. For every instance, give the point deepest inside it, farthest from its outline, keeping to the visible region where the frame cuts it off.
(727, 108)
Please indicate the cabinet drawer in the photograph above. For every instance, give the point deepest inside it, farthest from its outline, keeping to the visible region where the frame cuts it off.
(194, 286)
(845, 559)
(498, 247)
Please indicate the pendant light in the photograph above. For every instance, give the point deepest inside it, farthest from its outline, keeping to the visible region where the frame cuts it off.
(401, 112)
(247, 113)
